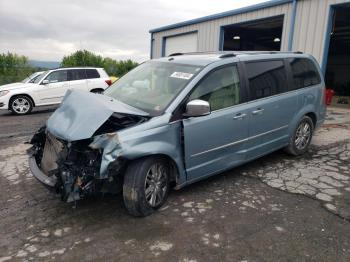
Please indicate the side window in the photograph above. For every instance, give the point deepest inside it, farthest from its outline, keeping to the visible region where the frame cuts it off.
(266, 78)
(77, 74)
(92, 73)
(220, 88)
(57, 76)
(304, 73)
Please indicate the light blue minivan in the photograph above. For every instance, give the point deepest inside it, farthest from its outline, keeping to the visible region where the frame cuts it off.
(176, 120)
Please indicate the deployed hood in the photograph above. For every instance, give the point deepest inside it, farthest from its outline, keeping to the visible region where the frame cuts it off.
(16, 86)
(82, 113)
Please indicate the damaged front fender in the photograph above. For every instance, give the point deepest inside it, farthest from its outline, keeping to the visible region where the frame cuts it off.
(142, 141)
(111, 150)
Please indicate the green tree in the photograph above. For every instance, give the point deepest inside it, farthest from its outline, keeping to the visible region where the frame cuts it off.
(122, 67)
(14, 68)
(87, 58)
(82, 58)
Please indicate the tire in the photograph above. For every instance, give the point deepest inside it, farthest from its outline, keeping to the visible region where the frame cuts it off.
(301, 138)
(21, 105)
(138, 181)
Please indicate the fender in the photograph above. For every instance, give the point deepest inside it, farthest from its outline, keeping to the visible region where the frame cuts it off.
(163, 140)
(23, 94)
(305, 110)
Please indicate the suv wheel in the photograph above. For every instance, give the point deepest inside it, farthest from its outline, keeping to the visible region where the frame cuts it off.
(301, 137)
(146, 185)
(21, 105)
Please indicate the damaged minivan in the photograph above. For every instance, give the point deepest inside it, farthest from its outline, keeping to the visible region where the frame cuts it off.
(176, 120)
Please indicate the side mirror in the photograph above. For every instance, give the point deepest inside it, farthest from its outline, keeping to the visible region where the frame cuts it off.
(197, 107)
(45, 82)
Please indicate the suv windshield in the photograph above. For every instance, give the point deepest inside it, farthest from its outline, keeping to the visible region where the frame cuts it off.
(38, 79)
(152, 85)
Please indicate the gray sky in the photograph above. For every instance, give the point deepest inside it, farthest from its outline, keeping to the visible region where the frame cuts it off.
(49, 29)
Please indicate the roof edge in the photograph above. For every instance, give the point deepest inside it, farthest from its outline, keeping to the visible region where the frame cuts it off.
(242, 10)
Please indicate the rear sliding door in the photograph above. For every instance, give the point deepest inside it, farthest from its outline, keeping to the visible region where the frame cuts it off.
(271, 107)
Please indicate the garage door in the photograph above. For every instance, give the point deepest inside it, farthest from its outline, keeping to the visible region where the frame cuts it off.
(181, 44)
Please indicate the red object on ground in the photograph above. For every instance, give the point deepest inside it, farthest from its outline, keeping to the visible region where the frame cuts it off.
(329, 95)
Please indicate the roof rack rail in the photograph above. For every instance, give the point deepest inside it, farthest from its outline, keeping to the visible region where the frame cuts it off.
(176, 54)
(269, 52)
(194, 53)
(227, 55)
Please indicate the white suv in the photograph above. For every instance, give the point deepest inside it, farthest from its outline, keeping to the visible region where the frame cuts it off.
(50, 87)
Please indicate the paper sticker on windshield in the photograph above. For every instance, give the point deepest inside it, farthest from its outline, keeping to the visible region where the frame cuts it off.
(181, 75)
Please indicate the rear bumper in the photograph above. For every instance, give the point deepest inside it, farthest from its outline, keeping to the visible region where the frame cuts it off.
(39, 175)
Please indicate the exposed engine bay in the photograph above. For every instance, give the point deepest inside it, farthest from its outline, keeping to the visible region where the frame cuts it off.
(79, 168)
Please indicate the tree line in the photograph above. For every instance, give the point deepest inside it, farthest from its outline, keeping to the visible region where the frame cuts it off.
(14, 68)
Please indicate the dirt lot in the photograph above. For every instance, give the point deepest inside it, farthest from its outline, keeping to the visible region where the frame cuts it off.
(278, 208)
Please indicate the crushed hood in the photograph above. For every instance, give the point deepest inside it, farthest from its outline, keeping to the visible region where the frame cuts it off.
(82, 113)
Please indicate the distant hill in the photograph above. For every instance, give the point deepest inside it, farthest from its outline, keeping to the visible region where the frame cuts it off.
(44, 64)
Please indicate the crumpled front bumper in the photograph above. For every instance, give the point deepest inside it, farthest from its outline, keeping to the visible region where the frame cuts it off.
(39, 175)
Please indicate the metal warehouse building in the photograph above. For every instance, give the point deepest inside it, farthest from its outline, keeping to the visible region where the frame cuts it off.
(318, 27)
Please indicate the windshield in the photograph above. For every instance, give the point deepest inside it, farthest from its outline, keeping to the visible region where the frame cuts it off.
(32, 80)
(152, 85)
(38, 79)
(25, 80)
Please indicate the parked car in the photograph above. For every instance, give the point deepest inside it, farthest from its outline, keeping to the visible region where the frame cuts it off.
(50, 87)
(32, 77)
(29, 79)
(176, 120)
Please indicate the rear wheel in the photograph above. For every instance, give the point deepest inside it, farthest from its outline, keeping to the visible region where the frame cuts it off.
(21, 105)
(301, 137)
(146, 185)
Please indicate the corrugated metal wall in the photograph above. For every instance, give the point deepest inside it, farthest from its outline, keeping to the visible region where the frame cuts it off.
(311, 26)
(309, 33)
(209, 32)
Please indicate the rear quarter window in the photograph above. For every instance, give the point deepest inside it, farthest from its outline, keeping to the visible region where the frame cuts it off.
(304, 73)
(266, 78)
(92, 73)
(77, 74)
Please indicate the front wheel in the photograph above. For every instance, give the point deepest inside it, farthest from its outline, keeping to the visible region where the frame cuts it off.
(146, 185)
(21, 105)
(301, 138)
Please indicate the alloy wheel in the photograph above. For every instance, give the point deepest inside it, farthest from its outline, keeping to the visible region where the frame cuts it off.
(303, 135)
(21, 105)
(156, 184)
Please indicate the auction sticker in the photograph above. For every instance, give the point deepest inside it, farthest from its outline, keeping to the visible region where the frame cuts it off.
(181, 75)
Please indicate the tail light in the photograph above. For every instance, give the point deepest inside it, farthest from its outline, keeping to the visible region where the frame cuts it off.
(328, 95)
(108, 82)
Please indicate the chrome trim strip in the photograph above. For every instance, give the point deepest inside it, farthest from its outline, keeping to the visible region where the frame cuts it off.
(240, 141)
(51, 97)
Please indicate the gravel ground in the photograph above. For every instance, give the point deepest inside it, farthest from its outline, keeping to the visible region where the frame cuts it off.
(277, 208)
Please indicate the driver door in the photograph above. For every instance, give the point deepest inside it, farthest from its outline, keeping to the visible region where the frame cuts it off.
(55, 89)
(217, 141)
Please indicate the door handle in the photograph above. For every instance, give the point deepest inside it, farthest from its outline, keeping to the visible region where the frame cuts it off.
(239, 116)
(258, 111)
